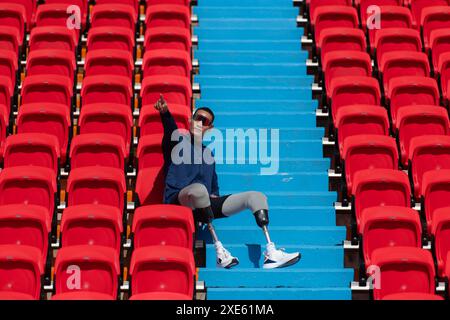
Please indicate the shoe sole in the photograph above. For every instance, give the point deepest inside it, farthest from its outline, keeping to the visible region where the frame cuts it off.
(284, 265)
(232, 264)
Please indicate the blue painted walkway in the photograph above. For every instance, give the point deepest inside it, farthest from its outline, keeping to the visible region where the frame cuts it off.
(253, 75)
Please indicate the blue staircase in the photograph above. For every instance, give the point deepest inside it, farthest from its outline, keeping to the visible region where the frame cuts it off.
(253, 75)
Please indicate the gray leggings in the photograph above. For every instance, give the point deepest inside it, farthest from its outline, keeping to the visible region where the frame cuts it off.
(196, 196)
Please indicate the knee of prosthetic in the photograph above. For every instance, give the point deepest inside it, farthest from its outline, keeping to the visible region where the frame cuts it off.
(262, 217)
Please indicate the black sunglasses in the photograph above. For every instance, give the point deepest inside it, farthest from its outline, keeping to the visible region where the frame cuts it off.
(206, 122)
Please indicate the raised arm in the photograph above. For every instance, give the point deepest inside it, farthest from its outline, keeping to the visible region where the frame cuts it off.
(169, 126)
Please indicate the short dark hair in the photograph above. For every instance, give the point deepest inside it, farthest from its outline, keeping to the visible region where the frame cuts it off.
(207, 110)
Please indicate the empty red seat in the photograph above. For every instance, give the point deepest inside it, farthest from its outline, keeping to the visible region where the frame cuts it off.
(162, 269)
(25, 225)
(150, 119)
(178, 2)
(428, 153)
(161, 296)
(444, 72)
(163, 225)
(168, 38)
(102, 38)
(434, 18)
(440, 229)
(20, 272)
(9, 295)
(389, 226)
(114, 15)
(435, 190)
(418, 5)
(333, 17)
(30, 9)
(402, 270)
(29, 185)
(363, 152)
(32, 149)
(395, 64)
(82, 295)
(109, 118)
(393, 39)
(133, 3)
(97, 149)
(380, 187)
(44, 62)
(9, 39)
(6, 93)
(53, 14)
(8, 65)
(346, 91)
(53, 37)
(440, 45)
(47, 88)
(109, 62)
(87, 268)
(365, 4)
(412, 296)
(166, 62)
(93, 225)
(106, 89)
(346, 63)
(4, 123)
(360, 119)
(89, 185)
(13, 15)
(83, 5)
(415, 121)
(407, 91)
(334, 39)
(313, 4)
(175, 90)
(50, 118)
(167, 15)
(149, 152)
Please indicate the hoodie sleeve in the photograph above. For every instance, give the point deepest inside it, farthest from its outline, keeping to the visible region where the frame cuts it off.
(169, 127)
(215, 183)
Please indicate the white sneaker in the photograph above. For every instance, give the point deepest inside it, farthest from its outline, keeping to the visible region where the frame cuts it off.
(224, 257)
(274, 258)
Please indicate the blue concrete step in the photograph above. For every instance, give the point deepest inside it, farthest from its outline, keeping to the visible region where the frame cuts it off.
(252, 256)
(292, 199)
(278, 119)
(324, 293)
(305, 165)
(247, 45)
(260, 69)
(263, 92)
(247, 12)
(259, 105)
(269, 33)
(251, 56)
(259, 81)
(245, 3)
(247, 23)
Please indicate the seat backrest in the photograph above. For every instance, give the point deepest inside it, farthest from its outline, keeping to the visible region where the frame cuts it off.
(434, 18)
(113, 15)
(9, 39)
(150, 185)
(13, 15)
(444, 72)
(132, 3)
(334, 39)
(58, 62)
(106, 89)
(166, 62)
(103, 38)
(334, 17)
(435, 190)
(8, 64)
(176, 90)
(47, 89)
(418, 5)
(109, 62)
(440, 229)
(52, 37)
(168, 16)
(168, 38)
(149, 152)
(150, 119)
(6, 92)
(440, 45)
(394, 39)
(313, 4)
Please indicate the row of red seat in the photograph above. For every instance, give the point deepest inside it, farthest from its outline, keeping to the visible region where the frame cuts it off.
(390, 231)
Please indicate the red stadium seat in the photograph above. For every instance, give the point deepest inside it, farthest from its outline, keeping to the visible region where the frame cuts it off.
(175, 89)
(8, 65)
(428, 153)
(161, 296)
(82, 295)
(163, 225)
(447, 270)
(97, 149)
(167, 62)
(103, 38)
(346, 63)
(380, 187)
(106, 89)
(53, 14)
(407, 91)
(334, 39)
(13, 15)
(47, 88)
(89, 185)
(415, 121)
(178, 2)
(6, 92)
(162, 269)
(114, 15)
(395, 64)
(444, 72)
(363, 152)
(35, 149)
(50, 118)
(9, 40)
(440, 45)
(150, 185)
(109, 62)
(29, 185)
(313, 4)
(167, 15)
(93, 225)
(365, 4)
(25, 225)
(384, 227)
(390, 17)
(30, 9)
(149, 151)
(435, 191)
(418, 5)
(402, 270)
(333, 17)
(132, 3)
(44, 62)
(440, 229)
(150, 119)
(392, 39)
(109, 118)
(434, 18)
(9, 295)
(53, 37)
(360, 119)
(4, 123)
(97, 268)
(412, 296)
(346, 91)
(168, 38)
(20, 272)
